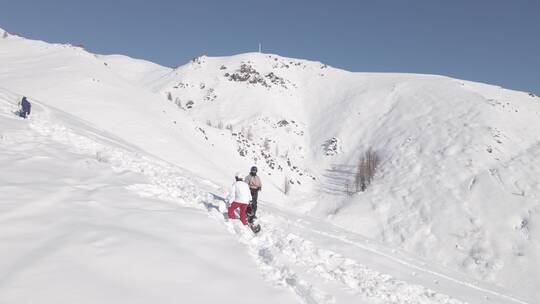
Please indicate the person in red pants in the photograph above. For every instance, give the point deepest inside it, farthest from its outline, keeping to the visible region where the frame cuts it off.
(240, 197)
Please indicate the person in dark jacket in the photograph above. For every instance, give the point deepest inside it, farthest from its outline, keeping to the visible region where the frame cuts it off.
(255, 186)
(25, 108)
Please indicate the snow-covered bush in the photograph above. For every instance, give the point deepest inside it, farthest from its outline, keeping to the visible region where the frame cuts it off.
(210, 95)
(178, 102)
(331, 147)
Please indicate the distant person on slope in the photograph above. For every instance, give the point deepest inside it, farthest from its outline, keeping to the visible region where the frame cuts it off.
(255, 186)
(240, 197)
(25, 108)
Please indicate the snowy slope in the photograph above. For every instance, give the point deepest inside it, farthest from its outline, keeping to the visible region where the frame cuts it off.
(86, 218)
(134, 70)
(458, 180)
(74, 228)
(456, 189)
(103, 94)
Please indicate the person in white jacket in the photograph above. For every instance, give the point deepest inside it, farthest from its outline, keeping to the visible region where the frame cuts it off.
(240, 198)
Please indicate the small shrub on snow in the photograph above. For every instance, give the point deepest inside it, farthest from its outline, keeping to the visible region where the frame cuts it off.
(100, 157)
(266, 144)
(210, 95)
(178, 102)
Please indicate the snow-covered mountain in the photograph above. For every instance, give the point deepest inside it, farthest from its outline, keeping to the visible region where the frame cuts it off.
(456, 186)
(458, 179)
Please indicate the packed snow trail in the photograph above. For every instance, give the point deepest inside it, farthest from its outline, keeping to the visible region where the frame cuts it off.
(284, 255)
(320, 234)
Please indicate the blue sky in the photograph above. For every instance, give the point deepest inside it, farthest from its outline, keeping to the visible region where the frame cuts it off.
(493, 41)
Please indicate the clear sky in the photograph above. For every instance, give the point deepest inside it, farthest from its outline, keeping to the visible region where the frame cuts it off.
(492, 41)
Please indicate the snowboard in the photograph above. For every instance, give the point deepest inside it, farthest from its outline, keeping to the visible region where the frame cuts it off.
(256, 228)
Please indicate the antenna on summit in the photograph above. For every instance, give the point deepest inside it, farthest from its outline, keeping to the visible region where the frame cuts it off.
(260, 48)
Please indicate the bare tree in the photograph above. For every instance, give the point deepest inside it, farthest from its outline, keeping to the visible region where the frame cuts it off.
(169, 96)
(220, 125)
(287, 185)
(349, 189)
(367, 165)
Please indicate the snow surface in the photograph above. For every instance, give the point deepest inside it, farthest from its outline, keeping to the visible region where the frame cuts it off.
(75, 231)
(115, 186)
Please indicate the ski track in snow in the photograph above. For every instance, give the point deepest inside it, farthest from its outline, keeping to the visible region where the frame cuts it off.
(269, 248)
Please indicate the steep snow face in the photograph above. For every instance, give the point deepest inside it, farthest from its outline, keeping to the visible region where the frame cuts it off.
(457, 179)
